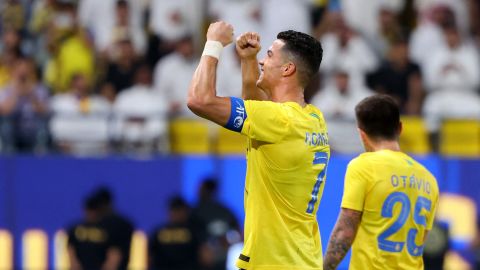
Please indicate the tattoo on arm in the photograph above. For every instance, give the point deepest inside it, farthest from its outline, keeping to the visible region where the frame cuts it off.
(342, 237)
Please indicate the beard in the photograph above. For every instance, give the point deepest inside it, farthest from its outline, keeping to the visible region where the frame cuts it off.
(260, 82)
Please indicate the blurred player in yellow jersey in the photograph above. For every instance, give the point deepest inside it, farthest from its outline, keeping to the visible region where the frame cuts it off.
(389, 199)
(288, 147)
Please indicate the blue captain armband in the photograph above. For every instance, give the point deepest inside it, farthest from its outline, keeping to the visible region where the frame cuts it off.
(238, 114)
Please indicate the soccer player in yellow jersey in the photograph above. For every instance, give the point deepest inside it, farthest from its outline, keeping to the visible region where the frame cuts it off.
(288, 149)
(389, 199)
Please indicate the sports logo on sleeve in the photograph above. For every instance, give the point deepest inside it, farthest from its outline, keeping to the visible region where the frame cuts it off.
(240, 111)
(237, 115)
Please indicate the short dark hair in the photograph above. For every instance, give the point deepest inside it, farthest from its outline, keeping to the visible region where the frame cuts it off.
(104, 195)
(306, 52)
(92, 203)
(177, 203)
(379, 117)
(209, 188)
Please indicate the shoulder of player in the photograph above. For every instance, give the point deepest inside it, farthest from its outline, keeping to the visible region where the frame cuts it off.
(421, 167)
(361, 162)
(278, 109)
(288, 112)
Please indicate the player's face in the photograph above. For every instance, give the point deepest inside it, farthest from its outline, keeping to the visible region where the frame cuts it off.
(271, 67)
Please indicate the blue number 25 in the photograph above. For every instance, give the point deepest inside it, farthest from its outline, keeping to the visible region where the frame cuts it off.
(387, 211)
(320, 158)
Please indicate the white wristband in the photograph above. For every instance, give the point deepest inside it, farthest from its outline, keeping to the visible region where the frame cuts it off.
(213, 48)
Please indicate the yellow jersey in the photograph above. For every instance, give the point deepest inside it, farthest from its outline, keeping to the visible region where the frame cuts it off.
(287, 157)
(398, 198)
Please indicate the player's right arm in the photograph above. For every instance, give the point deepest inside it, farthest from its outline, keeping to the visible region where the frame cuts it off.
(342, 237)
(350, 217)
(202, 95)
(248, 46)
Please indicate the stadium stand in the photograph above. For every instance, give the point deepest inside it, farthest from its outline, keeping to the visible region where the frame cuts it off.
(189, 136)
(460, 138)
(414, 136)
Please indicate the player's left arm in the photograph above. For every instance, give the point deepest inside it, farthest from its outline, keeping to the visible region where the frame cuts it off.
(202, 96)
(342, 237)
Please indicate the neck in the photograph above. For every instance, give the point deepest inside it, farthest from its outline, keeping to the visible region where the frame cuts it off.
(288, 93)
(383, 145)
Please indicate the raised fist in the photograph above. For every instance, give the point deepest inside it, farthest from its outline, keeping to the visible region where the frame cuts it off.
(220, 31)
(248, 45)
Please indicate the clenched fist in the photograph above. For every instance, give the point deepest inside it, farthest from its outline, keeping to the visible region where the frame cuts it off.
(248, 45)
(220, 31)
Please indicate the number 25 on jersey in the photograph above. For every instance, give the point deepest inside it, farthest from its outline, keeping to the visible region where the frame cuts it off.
(404, 215)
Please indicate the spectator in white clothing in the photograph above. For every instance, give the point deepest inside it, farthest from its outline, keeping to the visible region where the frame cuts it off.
(173, 19)
(79, 124)
(338, 99)
(363, 16)
(243, 15)
(428, 36)
(342, 45)
(140, 116)
(460, 8)
(100, 18)
(281, 15)
(337, 102)
(452, 80)
(170, 21)
(172, 77)
(123, 27)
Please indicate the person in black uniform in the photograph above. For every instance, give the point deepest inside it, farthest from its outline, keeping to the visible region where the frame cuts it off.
(436, 246)
(88, 239)
(120, 229)
(176, 244)
(217, 222)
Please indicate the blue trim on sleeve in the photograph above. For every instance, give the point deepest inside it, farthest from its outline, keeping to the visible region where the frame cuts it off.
(238, 114)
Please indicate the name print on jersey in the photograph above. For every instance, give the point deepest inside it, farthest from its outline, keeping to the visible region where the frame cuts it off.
(410, 182)
(316, 139)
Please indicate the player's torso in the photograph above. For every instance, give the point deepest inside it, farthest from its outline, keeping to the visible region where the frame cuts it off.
(398, 204)
(282, 193)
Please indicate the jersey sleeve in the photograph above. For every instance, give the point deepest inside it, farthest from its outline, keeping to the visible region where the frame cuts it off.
(266, 121)
(356, 185)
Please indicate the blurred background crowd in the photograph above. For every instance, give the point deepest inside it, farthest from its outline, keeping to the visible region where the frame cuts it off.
(96, 77)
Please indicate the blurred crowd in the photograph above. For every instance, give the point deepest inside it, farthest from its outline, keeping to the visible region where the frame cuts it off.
(192, 237)
(97, 77)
